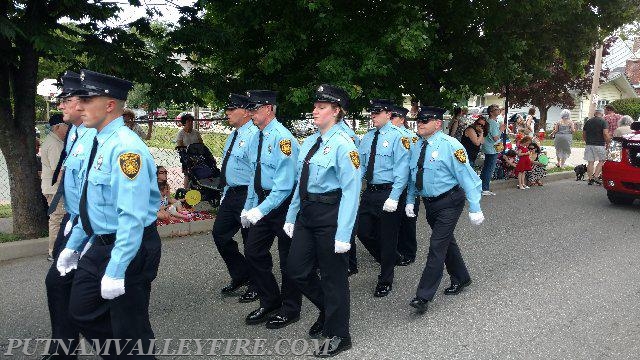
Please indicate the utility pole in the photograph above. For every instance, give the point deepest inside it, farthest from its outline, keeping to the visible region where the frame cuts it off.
(597, 69)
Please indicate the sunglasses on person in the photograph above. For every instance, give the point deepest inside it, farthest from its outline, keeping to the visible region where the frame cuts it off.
(162, 172)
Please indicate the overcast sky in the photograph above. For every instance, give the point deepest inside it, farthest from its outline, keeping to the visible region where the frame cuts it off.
(169, 9)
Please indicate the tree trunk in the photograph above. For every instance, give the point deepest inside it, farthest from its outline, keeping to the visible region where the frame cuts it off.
(17, 141)
(544, 111)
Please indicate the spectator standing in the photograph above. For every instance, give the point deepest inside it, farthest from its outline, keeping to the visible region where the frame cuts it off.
(563, 137)
(524, 162)
(473, 137)
(457, 124)
(185, 137)
(129, 120)
(611, 117)
(491, 147)
(50, 155)
(595, 133)
(624, 126)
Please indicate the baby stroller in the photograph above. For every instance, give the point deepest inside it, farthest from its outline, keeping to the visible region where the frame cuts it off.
(200, 167)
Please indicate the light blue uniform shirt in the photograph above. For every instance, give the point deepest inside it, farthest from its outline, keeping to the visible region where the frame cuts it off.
(334, 166)
(443, 169)
(73, 166)
(392, 158)
(488, 144)
(278, 166)
(349, 131)
(239, 168)
(119, 202)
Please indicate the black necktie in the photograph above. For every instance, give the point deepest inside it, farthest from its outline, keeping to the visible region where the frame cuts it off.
(419, 175)
(257, 179)
(63, 156)
(368, 176)
(304, 174)
(60, 189)
(223, 171)
(84, 214)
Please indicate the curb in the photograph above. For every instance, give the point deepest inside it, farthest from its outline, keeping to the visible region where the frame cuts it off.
(38, 247)
(511, 183)
(35, 247)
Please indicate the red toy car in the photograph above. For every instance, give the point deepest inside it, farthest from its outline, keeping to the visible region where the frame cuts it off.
(621, 171)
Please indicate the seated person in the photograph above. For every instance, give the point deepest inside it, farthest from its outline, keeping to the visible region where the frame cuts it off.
(171, 208)
(509, 163)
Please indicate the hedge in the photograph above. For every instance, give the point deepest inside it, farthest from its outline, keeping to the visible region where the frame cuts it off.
(629, 107)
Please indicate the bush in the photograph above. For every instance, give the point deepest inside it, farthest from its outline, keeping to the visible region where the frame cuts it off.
(629, 107)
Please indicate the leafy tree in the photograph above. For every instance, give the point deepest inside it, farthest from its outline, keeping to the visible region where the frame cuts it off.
(629, 107)
(31, 35)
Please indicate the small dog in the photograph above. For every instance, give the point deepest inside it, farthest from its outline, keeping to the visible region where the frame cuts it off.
(580, 171)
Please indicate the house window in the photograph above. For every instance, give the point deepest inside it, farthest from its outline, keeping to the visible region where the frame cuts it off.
(602, 104)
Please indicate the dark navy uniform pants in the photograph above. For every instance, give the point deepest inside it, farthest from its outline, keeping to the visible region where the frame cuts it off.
(314, 243)
(225, 227)
(127, 316)
(407, 243)
(442, 216)
(378, 231)
(257, 253)
(58, 293)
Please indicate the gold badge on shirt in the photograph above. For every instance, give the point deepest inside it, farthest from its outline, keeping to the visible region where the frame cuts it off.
(355, 158)
(460, 155)
(414, 139)
(285, 147)
(130, 165)
(405, 142)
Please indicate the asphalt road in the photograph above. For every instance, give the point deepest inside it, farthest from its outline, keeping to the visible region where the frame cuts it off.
(555, 273)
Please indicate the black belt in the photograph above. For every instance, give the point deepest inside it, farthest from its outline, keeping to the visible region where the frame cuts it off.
(238, 189)
(441, 196)
(379, 187)
(331, 197)
(108, 239)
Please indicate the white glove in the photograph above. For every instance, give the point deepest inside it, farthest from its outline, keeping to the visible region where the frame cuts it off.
(111, 288)
(408, 209)
(390, 205)
(243, 219)
(173, 210)
(288, 229)
(476, 218)
(67, 261)
(254, 215)
(67, 228)
(342, 247)
(86, 247)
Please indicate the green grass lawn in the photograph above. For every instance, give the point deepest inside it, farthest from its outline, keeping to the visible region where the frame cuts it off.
(5, 238)
(5, 211)
(555, 169)
(575, 144)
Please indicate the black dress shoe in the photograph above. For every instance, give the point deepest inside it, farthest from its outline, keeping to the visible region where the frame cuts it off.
(315, 331)
(333, 346)
(352, 271)
(248, 296)
(233, 286)
(456, 288)
(382, 290)
(404, 261)
(279, 321)
(260, 315)
(419, 303)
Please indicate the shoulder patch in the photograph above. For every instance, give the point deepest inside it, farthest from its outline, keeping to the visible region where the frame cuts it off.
(285, 147)
(355, 158)
(414, 139)
(130, 165)
(460, 155)
(405, 142)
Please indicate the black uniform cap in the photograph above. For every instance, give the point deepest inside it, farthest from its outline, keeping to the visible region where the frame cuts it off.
(97, 84)
(377, 105)
(400, 111)
(430, 113)
(258, 98)
(70, 84)
(237, 102)
(332, 94)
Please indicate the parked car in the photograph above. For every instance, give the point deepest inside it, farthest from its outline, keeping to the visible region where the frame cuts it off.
(160, 114)
(621, 171)
(140, 114)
